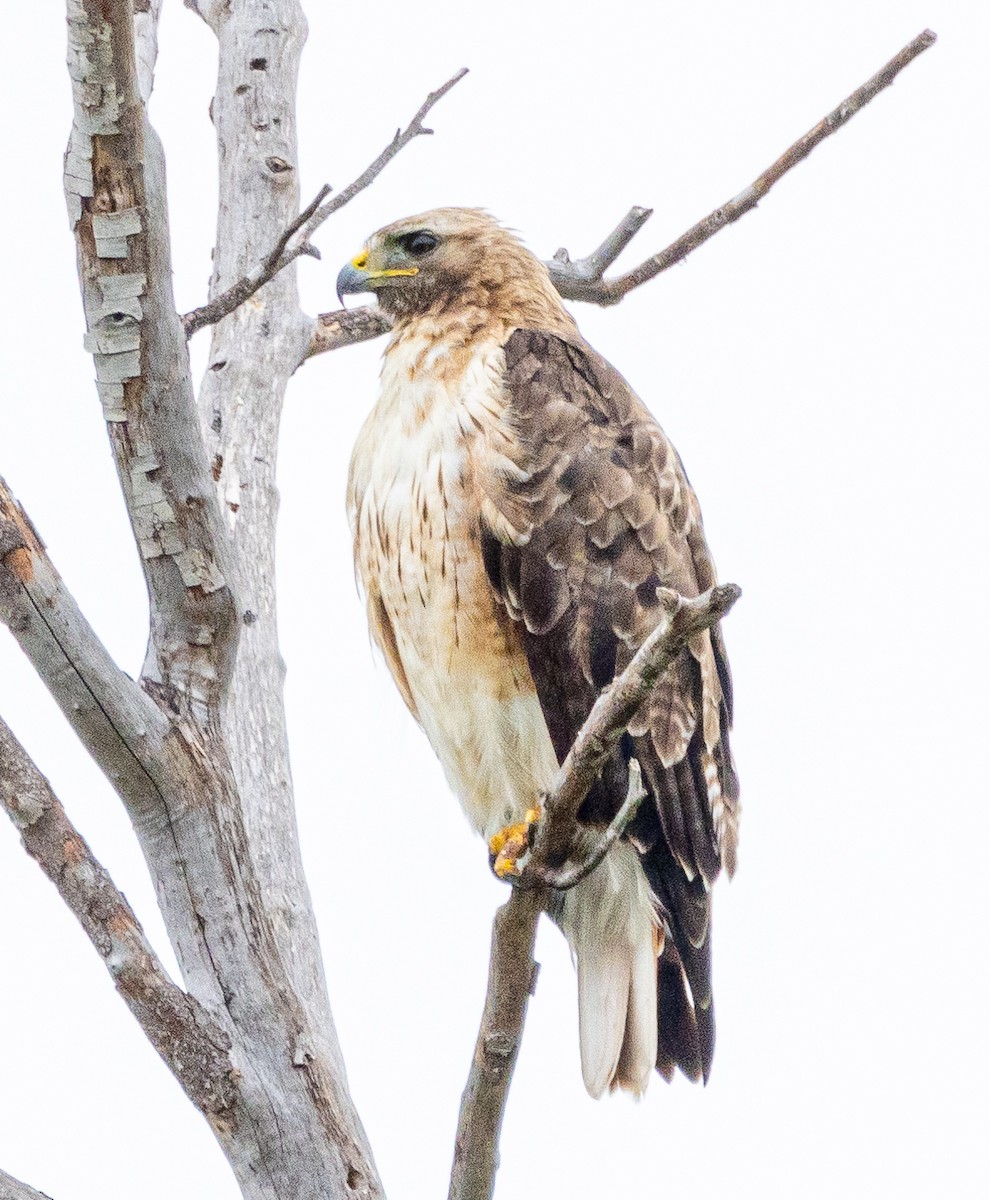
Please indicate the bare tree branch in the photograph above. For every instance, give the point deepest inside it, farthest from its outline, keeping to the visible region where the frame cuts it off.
(583, 280)
(538, 874)
(189, 1041)
(512, 971)
(402, 138)
(347, 327)
(115, 189)
(589, 270)
(301, 1136)
(614, 709)
(268, 268)
(295, 239)
(13, 1189)
(119, 725)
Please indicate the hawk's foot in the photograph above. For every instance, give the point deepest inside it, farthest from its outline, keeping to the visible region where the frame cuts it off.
(513, 843)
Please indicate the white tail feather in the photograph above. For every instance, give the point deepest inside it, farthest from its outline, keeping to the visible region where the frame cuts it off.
(639, 1048)
(609, 921)
(603, 998)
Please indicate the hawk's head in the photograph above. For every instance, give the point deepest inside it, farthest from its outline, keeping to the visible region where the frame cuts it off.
(447, 259)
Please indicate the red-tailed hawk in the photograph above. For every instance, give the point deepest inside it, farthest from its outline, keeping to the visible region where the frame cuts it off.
(514, 508)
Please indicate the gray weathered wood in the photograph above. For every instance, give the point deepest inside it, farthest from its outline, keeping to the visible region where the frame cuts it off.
(13, 1189)
(188, 1039)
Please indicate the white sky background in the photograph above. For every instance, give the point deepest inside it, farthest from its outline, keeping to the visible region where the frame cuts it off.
(821, 367)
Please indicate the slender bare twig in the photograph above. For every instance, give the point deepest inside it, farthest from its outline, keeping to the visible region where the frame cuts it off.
(295, 240)
(402, 138)
(280, 256)
(512, 970)
(13, 1189)
(538, 874)
(187, 1038)
(582, 279)
(614, 709)
(572, 279)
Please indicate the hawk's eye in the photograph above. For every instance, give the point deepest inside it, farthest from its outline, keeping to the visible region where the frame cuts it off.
(421, 242)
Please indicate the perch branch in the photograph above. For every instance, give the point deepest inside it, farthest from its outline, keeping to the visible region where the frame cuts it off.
(538, 874)
(13, 1189)
(589, 270)
(614, 709)
(290, 246)
(583, 280)
(512, 971)
(188, 1040)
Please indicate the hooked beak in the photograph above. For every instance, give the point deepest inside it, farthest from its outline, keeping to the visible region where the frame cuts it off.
(357, 277)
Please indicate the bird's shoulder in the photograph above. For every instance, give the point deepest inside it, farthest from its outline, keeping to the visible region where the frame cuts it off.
(586, 454)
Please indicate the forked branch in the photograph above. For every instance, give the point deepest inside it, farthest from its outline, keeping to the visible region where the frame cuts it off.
(295, 239)
(583, 279)
(512, 971)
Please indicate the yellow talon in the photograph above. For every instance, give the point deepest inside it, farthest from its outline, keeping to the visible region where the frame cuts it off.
(510, 844)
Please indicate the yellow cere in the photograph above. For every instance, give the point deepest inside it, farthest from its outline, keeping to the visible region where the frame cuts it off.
(360, 261)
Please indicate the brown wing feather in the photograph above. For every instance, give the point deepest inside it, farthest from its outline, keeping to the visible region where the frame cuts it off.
(586, 512)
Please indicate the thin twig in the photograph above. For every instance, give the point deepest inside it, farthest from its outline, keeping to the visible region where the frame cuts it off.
(402, 138)
(614, 709)
(512, 971)
(190, 1042)
(279, 257)
(295, 240)
(572, 280)
(538, 874)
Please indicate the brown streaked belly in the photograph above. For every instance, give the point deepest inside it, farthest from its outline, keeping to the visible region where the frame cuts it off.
(460, 654)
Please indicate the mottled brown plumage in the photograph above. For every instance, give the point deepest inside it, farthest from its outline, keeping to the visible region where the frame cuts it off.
(515, 509)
